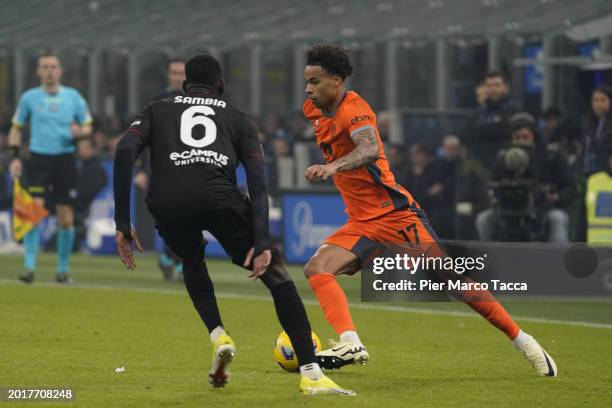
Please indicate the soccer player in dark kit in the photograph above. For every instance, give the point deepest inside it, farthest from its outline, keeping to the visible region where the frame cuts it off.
(196, 142)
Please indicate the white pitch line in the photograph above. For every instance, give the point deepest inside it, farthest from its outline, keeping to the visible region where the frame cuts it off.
(365, 306)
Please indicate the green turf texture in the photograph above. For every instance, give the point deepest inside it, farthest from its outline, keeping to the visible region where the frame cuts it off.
(52, 336)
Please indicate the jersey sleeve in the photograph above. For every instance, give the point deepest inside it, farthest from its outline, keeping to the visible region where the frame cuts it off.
(141, 125)
(129, 147)
(22, 114)
(359, 117)
(82, 115)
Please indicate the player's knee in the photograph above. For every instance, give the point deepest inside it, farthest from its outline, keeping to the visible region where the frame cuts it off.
(314, 266)
(192, 259)
(65, 216)
(193, 267)
(65, 221)
(275, 275)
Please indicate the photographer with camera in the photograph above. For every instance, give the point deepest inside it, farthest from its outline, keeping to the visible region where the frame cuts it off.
(532, 184)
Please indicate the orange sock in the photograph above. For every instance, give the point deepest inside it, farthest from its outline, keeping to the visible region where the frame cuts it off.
(497, 316)
(483, 302)
(333, 301)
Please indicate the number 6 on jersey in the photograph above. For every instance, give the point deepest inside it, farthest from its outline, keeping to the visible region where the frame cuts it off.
(189, 120)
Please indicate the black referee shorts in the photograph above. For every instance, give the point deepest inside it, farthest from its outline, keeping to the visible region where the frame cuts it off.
(232, 226)
(53, 177)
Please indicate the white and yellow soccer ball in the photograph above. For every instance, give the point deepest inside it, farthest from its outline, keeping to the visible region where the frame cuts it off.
(285, 355)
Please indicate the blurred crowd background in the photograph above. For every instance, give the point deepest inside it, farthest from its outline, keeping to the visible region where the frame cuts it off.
(494, 113)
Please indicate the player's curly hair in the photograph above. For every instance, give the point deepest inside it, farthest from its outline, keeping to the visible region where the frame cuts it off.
(332, 58)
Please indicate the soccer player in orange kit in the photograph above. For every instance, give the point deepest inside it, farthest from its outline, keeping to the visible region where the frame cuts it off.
(379, 210)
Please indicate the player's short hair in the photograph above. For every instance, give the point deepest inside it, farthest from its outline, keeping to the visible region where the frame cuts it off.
(604, 89)
(175, 60)
(332, 58)
(47, 54)
(203, 69)
(450, 138)
(498, 74)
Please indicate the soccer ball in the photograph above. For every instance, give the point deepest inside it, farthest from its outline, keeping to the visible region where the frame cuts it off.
(284, 354)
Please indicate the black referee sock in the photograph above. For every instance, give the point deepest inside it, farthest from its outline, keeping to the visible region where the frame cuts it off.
(292, 316)
(202, 293)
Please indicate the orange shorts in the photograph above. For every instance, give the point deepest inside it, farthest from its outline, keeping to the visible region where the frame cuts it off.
(406, 228)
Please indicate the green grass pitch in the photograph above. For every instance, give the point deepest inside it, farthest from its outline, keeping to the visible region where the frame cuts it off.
(422, 355)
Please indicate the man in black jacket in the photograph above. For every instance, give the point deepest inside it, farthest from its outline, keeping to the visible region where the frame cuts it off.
(553, 185)
(487, 130)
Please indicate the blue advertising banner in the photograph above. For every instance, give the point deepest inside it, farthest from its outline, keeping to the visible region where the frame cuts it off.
(533, 74)
(588, 49)
(307, 220)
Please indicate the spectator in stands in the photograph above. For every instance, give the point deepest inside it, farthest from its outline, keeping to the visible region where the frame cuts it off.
(101, 141)
(396, 155)
(561, 132)
(175, 74)
(420, 178)
(383, 121)
(299, 128)
(91, 179)
(281, 145)
(597, 136)
(442, 194)
(487, 130)
(553, 182)
(482, 93)
(551, 120)
(276, 129)
(307, 133)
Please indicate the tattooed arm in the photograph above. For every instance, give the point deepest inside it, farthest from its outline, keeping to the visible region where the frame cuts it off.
(364, 153)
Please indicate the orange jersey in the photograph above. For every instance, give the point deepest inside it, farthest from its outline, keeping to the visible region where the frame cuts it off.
(370, 191)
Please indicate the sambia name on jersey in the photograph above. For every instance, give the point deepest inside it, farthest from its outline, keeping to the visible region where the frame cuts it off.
(193, 100)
